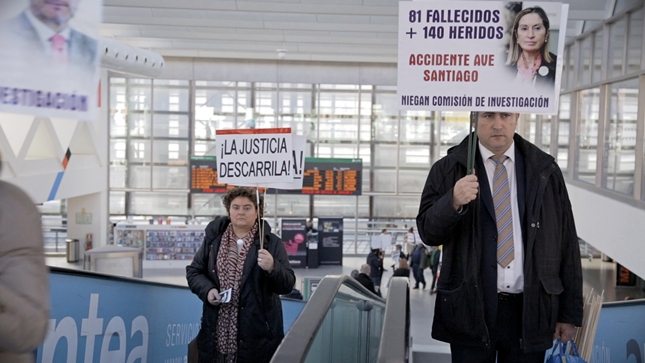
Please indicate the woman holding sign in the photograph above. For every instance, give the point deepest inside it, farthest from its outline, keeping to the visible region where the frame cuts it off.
(528, 54)
(239, 272)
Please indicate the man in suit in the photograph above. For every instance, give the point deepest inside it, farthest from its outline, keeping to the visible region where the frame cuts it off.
(364, 278)
(506, 298)
(41, 40)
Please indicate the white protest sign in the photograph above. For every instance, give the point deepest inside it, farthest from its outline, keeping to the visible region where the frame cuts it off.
(299, 144)
(381, 241)
(481, 55)
(257, 156)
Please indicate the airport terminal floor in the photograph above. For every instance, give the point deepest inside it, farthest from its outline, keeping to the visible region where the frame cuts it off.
(598, 275)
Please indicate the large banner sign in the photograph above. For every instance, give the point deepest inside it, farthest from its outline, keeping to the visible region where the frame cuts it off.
(103, 319)
(49, 57)
(259, 157)
(96, 318)
(481, 55)
(620, 335)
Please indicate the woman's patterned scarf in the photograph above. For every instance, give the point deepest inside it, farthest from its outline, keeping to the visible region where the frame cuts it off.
(526, 72)
(229, 266)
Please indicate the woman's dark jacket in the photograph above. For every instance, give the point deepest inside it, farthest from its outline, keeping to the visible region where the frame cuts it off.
(403, 272)
(547, 80)
(467, 288)
(260, 328)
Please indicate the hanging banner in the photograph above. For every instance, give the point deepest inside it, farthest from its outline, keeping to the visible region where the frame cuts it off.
(293, 237)
(330, 235)
(49, 57)
(254, 156)
(481, 55)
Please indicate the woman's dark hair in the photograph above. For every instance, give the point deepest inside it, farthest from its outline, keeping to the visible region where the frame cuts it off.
(411, 230)
(244, 192)
(514, 50)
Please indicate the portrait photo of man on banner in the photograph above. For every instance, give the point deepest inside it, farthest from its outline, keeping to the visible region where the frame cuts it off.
(49, 57)
(480, 55)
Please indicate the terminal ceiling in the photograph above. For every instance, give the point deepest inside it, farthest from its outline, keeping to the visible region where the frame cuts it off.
(305, 30)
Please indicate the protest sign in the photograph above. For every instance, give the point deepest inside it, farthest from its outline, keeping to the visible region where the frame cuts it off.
(481, 55)
(381, 241)
(298, 143)
(254, 156)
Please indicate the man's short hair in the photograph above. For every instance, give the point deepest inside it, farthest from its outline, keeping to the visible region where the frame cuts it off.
(398, 246)
(365, 269)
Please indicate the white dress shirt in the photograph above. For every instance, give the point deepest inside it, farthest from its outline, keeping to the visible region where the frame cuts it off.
(45, 33)
(511, 278)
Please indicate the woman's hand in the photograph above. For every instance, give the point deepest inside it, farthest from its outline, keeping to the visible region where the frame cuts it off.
(265, 260)
(213, 297)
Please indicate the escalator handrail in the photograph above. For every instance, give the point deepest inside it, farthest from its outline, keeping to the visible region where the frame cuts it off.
(296, 343)
(396, 323)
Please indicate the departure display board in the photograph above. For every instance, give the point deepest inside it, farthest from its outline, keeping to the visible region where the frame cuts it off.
(203, 175)
(331, 176)
(321, 176)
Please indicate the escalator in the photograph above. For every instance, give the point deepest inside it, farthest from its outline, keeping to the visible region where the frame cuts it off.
(344, 322)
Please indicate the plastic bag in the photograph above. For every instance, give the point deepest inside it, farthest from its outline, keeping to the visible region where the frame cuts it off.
(558, 354)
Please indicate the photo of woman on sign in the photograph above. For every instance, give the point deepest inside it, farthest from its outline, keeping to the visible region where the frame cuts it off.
(529, 57)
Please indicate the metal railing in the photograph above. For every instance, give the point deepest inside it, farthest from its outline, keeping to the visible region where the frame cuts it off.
(343, 320)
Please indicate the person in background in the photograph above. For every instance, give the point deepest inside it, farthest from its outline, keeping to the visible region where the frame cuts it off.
(397, 255)
(310, 227)
(418, 261)
(529, 58)
(364, 278)
(409, 240)
(354, 274)
(435, 257)
(511, 275)
(403, 270)
(295, 294)
(375, 261)
(24, 285)
(249, 328)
